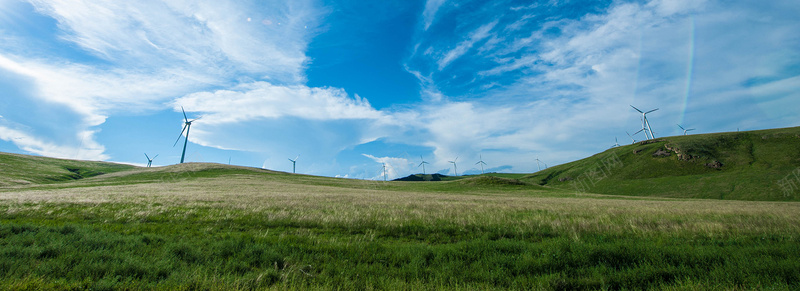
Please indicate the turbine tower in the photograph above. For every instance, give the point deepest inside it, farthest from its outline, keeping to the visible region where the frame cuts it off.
(481, 163)
(422, 164)
(685, 130)
(149, 160)
(294, 162)
(454, 165)
(646, 123)
(186, 126)
(384, 172)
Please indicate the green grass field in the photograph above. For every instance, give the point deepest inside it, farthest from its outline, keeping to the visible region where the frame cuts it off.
(196, 226)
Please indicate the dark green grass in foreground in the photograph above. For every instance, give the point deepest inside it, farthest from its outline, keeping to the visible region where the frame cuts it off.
(81, 247)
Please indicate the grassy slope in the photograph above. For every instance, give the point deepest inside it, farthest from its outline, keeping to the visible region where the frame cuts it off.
(210, 226)
(753, 162)
(18, 170)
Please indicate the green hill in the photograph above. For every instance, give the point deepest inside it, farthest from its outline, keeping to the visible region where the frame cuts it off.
(753, 165)
(16, 170)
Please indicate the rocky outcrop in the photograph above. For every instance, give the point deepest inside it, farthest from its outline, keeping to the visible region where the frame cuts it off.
(681, 155)
(714, 165)
(661, 153)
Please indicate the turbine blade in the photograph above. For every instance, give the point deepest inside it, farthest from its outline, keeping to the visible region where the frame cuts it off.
(180, 135)
(148, 158)
(184, 114)
(680, 126)
(297, 157)
(154, 157)
(637, 109)
(651, 111)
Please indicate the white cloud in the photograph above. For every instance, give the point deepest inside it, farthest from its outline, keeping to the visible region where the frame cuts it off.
(93, 93)
(147, 52)
(429, 14)
(260, 100)
(88, 150)
(210, 35)
(395, 167)
(571, 80)
(477, 35)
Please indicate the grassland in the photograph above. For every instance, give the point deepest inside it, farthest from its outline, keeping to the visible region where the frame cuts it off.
(725, 166)
(207, 226)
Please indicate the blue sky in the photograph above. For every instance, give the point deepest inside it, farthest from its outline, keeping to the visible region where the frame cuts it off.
(348, 85)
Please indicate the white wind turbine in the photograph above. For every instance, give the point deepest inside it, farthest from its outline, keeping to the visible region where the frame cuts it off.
(616, 142)
(646, 123)
(186, 126)
(422, 164)
(294, 163)
(481, 163)
(149, 160)
(454, 165)
(633, 141)
(685, 130)
(539, 166)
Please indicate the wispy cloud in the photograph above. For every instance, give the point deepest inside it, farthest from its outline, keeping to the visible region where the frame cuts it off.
(429, 14)
(462, 48)
(571, 77)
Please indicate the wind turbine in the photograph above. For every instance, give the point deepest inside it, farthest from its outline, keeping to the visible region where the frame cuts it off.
(294, 162)
(646, 123)
(422, 164)
(633, 141)
(149, 160)
(685, 130)
(538, 166)
(454, 165)
(186, 126)
(384, 172)
(481, 163)
(616, 142)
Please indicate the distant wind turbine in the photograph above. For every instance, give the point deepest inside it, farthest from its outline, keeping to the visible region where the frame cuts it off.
(538, 166)
(149, 160)
(633, 141)
(422, 164)
(616, 142)
(646, 123)
(481, 163)
(384, 172)
(186, 126)
(685, 130)
(294, 162)
(454, 165)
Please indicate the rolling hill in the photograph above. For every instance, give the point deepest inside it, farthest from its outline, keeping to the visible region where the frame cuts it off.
(752, 165)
